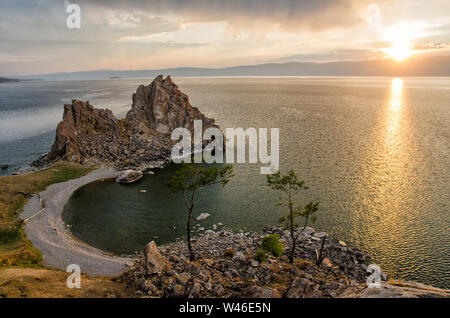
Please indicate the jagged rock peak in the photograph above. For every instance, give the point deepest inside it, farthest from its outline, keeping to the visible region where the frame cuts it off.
(90, 135)
(163, 107)
(80, 119)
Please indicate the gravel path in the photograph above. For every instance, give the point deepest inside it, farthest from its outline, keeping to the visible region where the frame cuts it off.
(48, 233)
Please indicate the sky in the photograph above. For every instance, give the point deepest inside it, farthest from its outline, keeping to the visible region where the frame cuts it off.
(155, 34)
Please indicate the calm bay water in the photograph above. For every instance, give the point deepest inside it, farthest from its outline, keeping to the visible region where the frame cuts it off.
(374, 152)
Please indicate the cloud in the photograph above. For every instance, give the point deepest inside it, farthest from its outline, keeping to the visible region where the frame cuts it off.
(292, 15)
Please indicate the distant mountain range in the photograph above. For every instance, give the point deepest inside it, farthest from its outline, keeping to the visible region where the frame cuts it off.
(8, 80)
(414, 66)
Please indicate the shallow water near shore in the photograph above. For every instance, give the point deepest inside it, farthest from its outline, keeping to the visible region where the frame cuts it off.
(374, 152)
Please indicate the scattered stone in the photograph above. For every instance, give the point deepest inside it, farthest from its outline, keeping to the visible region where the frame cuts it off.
(178, 291)
(260, 292)
(326, 262)
(183, 278)
(143, 191)
(202, 216)
(308, 231)
(239, 257)
(320, 234)
(229, 252)
(218, 290)
(222, 268)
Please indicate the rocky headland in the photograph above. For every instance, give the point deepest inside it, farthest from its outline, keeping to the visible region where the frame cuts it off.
(141, 140)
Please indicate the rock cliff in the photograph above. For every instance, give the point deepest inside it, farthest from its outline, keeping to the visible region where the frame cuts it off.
(142, 139)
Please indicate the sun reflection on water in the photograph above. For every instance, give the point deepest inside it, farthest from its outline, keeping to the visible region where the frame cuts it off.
(394, 114)
(396, 97)
(386, 189)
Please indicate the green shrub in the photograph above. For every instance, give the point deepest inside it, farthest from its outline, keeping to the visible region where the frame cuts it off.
(272, 244)
(260, 255)
(9, 233)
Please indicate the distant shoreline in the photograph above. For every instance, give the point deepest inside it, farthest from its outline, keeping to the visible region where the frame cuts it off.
(16, 80)
(430, 66)
(9, 80)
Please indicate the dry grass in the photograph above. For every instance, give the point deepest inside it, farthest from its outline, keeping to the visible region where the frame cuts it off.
(15, 249)
(41, 283)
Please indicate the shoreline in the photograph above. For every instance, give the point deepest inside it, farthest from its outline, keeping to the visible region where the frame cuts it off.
(47, 232)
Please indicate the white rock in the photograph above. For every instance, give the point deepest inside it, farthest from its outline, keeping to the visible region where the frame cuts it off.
(202, 216)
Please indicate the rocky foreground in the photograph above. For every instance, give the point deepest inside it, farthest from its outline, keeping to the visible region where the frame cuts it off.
(141, 140)
(226, 267)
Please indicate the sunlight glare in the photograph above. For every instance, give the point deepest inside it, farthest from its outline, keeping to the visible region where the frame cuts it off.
(400, 38)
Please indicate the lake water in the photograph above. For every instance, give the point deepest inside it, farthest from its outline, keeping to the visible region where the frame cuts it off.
(373, 151)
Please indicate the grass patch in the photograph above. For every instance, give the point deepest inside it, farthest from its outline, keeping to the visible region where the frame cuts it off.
(15, 249)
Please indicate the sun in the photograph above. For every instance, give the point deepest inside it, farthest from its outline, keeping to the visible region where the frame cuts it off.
(400, 50)
(401, 45)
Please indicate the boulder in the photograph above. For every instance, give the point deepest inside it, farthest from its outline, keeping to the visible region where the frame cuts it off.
(308, 231)
(128, 176)
(154, 262)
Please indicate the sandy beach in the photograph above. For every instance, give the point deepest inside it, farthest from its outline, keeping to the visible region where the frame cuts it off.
(46, 230)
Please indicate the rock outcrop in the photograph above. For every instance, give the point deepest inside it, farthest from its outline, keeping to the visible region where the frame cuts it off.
(226, 267)
(154, 262)
(89, 135)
